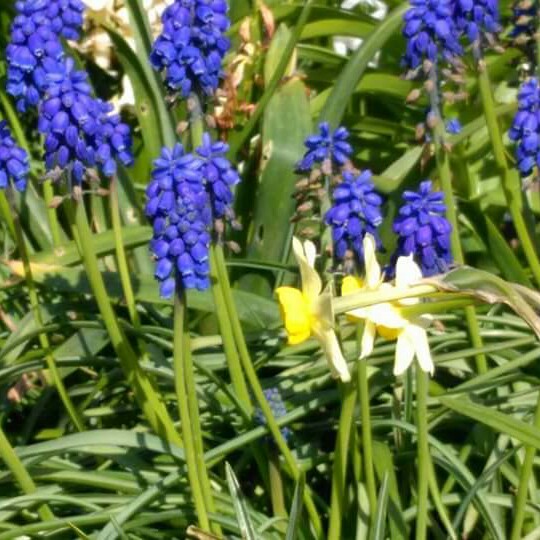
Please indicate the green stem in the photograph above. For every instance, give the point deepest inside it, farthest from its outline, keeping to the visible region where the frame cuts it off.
(145, 392)
(523, 484)
(121, 259)
(510, 179)
(191, 391)
(21, 475)
(257, 390)
(6, 201)
(443, 166)
(48, 194)
(276, 485)
(367, 441)
(182, 364)
(339, 470)
(229, 346)
(423, 453)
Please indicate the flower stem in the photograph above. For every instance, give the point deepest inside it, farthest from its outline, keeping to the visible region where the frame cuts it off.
(21, 475)
(229, 345)
(6, 200)
(257, 390)
(48, 193)
(443, 166)
(121, 259)
(145, 391)
(339, 470)
(367, 441)
(182, 364)
(423, 453)
(276, 485)
(523, 483)
(510, 179)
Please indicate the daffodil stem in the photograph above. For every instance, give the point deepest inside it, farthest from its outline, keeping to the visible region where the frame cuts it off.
(7, 200)
(257, 390)
(143, 386)
(523, 483)
(367, 440)
(422, 453)
(342, 304)
(182, 364)
(445, 175)
(511, 182)
(341, 452)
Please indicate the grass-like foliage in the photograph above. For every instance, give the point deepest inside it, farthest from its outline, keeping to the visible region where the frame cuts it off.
(269, 269)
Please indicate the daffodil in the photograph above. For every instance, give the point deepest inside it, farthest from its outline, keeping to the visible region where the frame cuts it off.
(308, 312)
(387, 319)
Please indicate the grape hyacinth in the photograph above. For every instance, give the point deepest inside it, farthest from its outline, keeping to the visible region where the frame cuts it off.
(277, 405)
(79, 130)
(356, 211)
(179, 209)
(423, 229)
(14, 164)
(525, 130)
(35, 41)
(477, 18)
(326, 146)
(431, 33)
(219, 175)
(192, 45)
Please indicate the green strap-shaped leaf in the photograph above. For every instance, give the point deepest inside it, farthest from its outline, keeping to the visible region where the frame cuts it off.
(336, 104)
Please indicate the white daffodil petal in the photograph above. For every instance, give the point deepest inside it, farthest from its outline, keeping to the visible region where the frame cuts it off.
(311, 282)
(407, 272)
(310, 252)
(334, 356)
(368, 340)
(405, 351)
(386, 315)
(373, 269)
(359, 313)
(418, 336)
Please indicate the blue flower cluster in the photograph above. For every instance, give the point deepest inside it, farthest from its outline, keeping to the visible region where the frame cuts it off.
(525, 130)
(35, 43)
(79, 130)
(179, 209)
(192, 45)
(14, 165)
(431, 33)
(356, 211)
(476, 18)
(219, 175)
(326, 146)
(423, 229)
(277, 405)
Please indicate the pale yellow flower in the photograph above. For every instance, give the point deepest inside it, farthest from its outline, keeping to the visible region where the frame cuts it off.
(308, 312)
(387, 319)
